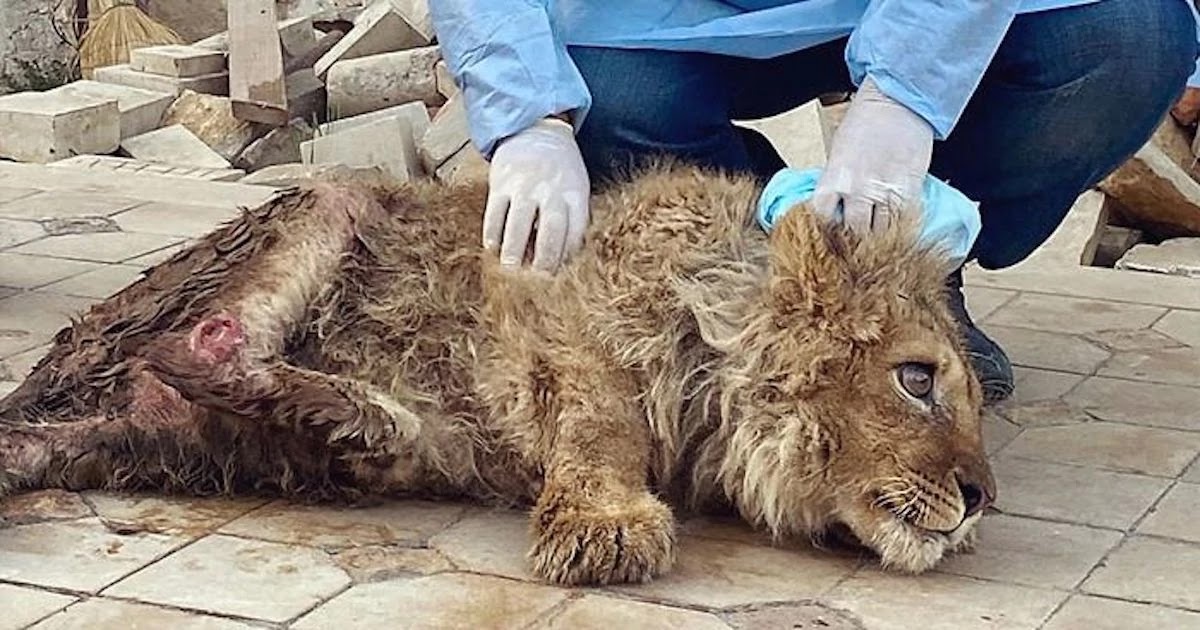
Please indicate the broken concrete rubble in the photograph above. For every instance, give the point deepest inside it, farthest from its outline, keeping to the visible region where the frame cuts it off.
(369, 83)
(122, 74)
(48, 126)
(280, 146)
(466, 165)
(292, 174)
(447, 134)
(130, 165)
(211, 119)
(1113, 243)
(415, 113)
(306, 97)
(1176, 256)
(385, 143)
(177, 61)
(140, 110)
(444, 80)
(1155, 194)
(173, 145)
(378, 29)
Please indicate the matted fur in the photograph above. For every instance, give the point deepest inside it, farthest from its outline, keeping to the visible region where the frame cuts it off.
(345, 339)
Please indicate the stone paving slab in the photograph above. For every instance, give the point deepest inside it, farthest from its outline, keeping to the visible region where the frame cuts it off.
(80, 555)
(24, 606)
(232, 576)
(439, 601)
(1097, 459)
(107, 614)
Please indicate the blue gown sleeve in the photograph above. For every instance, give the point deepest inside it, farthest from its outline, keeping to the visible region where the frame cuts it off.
(929, 55)
(510, 64)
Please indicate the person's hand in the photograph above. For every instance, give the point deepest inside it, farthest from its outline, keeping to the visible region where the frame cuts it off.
(1187, 109)
(537, 176)
(878, 160)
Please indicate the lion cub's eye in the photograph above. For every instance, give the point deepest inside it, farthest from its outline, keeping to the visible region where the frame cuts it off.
(917, 379)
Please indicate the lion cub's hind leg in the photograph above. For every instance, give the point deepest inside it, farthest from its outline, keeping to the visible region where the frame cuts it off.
(596, 521)
(210, 366)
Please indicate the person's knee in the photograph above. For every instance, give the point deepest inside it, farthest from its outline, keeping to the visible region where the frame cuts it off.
(651, 103)
(1149, 44)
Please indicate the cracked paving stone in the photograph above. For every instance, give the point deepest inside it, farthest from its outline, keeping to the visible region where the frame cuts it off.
(43, 505)
(793, 617)
(104, 247)
(64, 205)
(231, 576)
(1111, 446)
(79, 225)
(1177, 515)
(106, 614)
(1147, 404)
(1128, 340)
(718, 573)
(488, 541)
(1034, 385)
(592, 611)
(1181, 326)
(1083, 612)
(1150, 570)
(30, 320)
(97, 284)
(77, 555)
(935, 601)
(378, 563)
(23, 606)
(1056, 313)
(1048, 350)
(402, 522)
(447, 600)
(998, 432)
(1074, 494)
(181, 516)
(1032, 552)
(186, 220)
(1173, 366)
(17, 232)
(30, 272)
(1045, 413)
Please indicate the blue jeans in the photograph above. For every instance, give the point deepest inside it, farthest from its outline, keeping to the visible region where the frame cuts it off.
(1071, 94)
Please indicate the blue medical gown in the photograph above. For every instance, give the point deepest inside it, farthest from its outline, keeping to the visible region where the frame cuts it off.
(510, 58)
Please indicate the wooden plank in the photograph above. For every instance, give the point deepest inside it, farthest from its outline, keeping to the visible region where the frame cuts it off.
(257, 89)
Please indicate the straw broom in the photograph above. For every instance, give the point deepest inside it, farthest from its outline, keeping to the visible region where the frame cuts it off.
(114, 28)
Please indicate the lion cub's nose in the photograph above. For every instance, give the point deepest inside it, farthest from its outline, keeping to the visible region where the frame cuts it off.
(975, 498)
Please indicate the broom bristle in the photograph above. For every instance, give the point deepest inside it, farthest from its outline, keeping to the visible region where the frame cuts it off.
(119, 30)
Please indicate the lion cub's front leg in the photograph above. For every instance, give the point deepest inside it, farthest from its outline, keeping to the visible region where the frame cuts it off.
(595, 521)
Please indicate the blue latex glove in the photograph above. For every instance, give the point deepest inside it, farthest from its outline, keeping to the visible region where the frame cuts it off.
(948, 217)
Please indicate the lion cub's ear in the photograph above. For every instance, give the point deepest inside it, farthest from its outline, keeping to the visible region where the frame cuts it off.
(722, 300)
(809, 273)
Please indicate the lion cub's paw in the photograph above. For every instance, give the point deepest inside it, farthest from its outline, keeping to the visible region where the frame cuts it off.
(382, 426)
(628, 540)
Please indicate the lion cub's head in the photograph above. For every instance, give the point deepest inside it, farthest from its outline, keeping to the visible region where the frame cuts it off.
(847, 398)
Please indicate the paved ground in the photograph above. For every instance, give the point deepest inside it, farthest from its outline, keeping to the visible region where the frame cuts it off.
(1098, 524)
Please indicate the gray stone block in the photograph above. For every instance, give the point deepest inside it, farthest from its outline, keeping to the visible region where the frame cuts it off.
(385, 143)
(123, 74)
(173, 145)
(47, 126)
(177, 61)
(356, 86)
(141, 110)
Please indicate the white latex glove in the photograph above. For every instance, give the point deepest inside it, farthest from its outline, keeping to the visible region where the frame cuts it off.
(537, 176)
(878, 160)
